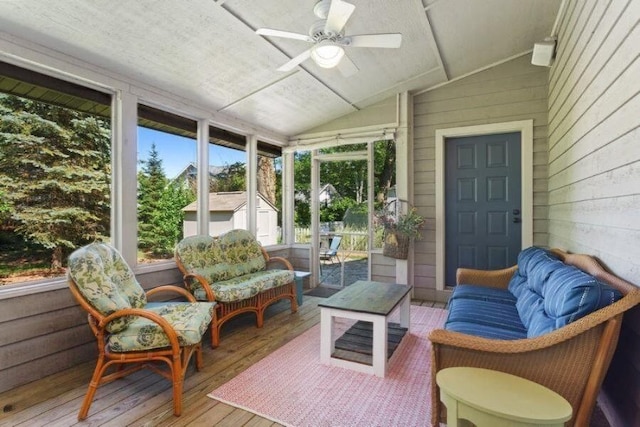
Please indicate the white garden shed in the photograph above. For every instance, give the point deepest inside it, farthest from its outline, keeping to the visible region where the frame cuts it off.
(228, 210)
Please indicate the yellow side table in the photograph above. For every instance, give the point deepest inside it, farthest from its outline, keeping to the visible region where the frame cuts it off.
(492, 399)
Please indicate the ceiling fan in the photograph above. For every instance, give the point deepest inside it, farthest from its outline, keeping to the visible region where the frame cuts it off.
(329, 40)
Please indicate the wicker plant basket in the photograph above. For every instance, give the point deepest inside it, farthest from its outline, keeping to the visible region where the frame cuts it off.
(395, 245)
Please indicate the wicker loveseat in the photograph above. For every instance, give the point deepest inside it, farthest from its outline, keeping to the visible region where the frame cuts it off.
(234, 270)
(554, 319)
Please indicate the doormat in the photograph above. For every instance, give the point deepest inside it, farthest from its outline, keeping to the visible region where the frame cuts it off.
(322, 292)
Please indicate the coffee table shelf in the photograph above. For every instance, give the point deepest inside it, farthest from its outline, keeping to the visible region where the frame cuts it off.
(356, 344)
(368, 303)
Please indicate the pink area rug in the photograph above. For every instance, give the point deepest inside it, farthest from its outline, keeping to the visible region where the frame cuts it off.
(292, 387)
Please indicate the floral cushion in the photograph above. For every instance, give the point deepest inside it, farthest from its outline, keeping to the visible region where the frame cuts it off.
(106, 281)
(198, 252)
(246, 286)
(189, 320)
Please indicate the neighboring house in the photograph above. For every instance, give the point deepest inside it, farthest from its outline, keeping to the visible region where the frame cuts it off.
(228, 210)
(326, 195)
(189, 173)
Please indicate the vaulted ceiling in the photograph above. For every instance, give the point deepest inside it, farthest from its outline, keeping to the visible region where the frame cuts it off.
(207, 51)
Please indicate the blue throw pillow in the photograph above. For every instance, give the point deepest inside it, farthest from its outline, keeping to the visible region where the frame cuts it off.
(571, 294)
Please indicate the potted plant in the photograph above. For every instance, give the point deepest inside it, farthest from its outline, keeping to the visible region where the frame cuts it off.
(399, 230)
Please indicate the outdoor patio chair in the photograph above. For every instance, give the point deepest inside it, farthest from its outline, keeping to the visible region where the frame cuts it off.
(332, 252)
(131, 331)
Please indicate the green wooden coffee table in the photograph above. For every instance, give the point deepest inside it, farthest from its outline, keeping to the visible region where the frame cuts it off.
(370, 303)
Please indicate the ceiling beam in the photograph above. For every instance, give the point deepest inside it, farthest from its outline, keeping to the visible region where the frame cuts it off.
(433, 42)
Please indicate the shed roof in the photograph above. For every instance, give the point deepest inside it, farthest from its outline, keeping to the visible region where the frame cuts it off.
(226, 201)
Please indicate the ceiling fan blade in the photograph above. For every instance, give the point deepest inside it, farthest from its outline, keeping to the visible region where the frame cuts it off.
(391, 40)
(285, 34)
(339, 13)
(296, 61)
(346, 67)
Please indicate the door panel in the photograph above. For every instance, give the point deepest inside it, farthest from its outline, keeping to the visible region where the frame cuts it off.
(482, 202)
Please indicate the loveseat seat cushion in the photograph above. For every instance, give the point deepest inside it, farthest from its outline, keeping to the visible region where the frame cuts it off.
(483, 293)
(246, 286)
(189, 320)
(554, 294)
(489, 316)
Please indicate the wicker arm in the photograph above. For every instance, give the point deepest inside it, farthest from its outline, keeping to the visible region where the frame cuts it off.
(172, 288)
(154, 317)
(190, 277)
(490, 278)
(276, 260)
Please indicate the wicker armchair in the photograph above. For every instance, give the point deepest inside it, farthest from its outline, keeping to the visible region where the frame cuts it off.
(132, 333)
(571, 360)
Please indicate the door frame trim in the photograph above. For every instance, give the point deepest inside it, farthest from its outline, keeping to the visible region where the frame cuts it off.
(525, 127)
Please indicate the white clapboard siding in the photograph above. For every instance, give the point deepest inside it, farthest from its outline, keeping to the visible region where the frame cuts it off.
(594, 163)
(515, 90)
(383, 269)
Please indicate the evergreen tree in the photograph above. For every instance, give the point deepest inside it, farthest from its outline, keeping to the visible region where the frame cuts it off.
(55, 174)
(151, 185)
(233, 177)
(168, 219)
(160, 203)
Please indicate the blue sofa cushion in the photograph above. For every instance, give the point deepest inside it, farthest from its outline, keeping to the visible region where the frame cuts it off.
(489, 313)
(531, 259)
(483, 293)
(554, 294)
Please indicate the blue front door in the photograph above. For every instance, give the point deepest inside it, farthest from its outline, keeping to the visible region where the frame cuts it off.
(482, 202)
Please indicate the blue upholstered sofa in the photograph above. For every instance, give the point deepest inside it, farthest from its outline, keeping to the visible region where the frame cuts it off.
(543, 295)
(554, 319)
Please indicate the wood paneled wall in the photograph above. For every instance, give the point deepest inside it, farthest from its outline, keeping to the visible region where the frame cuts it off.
(594, 163)
(512, 91)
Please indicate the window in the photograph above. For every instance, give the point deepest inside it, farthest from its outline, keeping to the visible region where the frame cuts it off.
(55, 172)
(167, 148)
(302, 196)
(227, 181)
(269, 188)
(384, 186)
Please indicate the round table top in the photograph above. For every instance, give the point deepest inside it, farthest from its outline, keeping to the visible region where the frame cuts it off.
(504, 395)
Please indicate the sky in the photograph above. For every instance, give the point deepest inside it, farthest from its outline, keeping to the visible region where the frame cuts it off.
(177, 152)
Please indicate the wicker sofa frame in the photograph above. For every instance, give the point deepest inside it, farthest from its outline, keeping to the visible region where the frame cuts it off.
(572, 360)
(256, 304)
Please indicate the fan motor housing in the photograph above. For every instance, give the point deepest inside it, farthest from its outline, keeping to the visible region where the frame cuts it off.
(316, 32)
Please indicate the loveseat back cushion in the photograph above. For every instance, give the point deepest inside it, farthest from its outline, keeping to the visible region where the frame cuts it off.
(556, 294)
(221, 258)
(188, 320)
(242, 253)
(105, 280)
(201, 255)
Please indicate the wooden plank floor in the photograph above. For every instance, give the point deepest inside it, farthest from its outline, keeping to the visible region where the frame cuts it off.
(145, 398)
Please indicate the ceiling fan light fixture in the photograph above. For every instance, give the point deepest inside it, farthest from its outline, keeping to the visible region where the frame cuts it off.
(327, 54)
